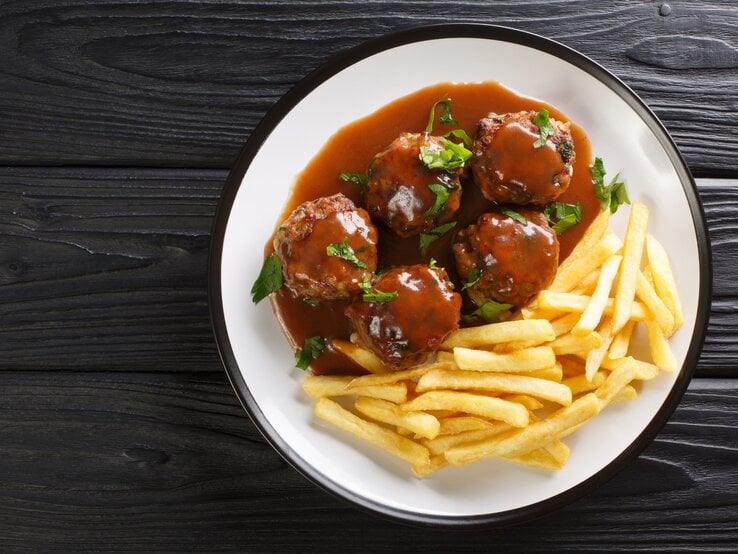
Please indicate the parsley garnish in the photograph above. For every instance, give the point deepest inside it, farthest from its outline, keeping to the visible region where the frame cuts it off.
(563, 216)
(311, 349)
(446, 117)
(427, 238)
(515, 215)
(450, 157)
(472, 278)
(611, 196)
(459, 133)
(545, 128)
(566, 149)
(441, 193)
(490, 311)
(432, 264)
(358, 178)
(269, 279)
(345, 252)
(311, 302)
(371, 294)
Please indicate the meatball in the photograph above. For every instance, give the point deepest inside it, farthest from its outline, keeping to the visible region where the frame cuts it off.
(403, 330)
(404, 194)
(506, 260)
(508, 168)
(327, 247)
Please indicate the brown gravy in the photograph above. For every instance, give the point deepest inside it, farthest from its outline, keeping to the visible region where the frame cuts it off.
(351, 148)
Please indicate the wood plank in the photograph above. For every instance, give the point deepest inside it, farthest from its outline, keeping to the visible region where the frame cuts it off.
(168, 461)
(117, 82)
(107, 268)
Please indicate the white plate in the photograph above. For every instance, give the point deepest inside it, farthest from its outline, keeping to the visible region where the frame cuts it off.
(258, 359)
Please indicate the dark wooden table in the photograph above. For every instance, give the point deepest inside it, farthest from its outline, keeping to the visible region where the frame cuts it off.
(118, 122)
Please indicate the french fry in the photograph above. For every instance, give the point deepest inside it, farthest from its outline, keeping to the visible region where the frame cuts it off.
(476, 404)
(570, 275)
(590, 238)
(648, 296)
(559, 451)
(563, 302)
(539, 458)
(644, 371)
(442, 443)
(627, 393)
(580, 383)
(330, 386)
(635, 238)
(518, 330)
(518, 442)
(593, 312)
(588, 284)
(564, 324)
(514, 384)
(530, 359)
(459, 424)
(387, 440)
(570, 344)
(621, 342)
(524, 399)
(660, 349)
(395, 376)
(420, 423)
(553, 373)
(361, 356)
(663, 279)
(621, 376)
(594, 358)
(436, 462)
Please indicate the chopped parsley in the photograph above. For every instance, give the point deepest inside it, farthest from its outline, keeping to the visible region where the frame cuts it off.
(311, 302)
(446, 117)
(490, 311)
(441, 193)
(611, 196)
(345, 252)
(562, 216)
(269, 279)
(358, 178)
(566, 149)
(460, 133)
(450, 157)
(515, 215)
(473, 278)
(432, 264)
(545, 129)
(371, 294)
(427, 238)
(311, 349)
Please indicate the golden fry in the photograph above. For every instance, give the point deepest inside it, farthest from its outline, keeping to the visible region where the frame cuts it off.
(420, 423)
(384, 438)
(663, 279)
(661, 314)
(486, 406)
(592, 314)
(570, 344)
(570, 275)
(329, 385)
(635, 239)
(621, 342)
(530, 359)
(517, 330)
(361, 356)
(660, 349)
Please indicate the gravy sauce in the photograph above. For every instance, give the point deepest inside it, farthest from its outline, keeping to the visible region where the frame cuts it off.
(352, 147)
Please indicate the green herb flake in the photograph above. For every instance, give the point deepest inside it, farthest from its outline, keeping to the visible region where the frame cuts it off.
(490, 311)
(611, 196)
(473, 278)
(446, 117)
(345, 252)
(426, 239)
(432, 264)
(442, 194)
(269, 279)
(311, 349)
(371, 294)
(562, 216)
(566, 149)
(460, 133)
(515, 215)
(451, 156)
(358, 178)
(545, 129)
(311, 302)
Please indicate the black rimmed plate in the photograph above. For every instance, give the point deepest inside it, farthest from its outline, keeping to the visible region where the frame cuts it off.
(258, 360)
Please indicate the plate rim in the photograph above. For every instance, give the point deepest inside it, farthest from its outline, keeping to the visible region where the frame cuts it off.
(336, 64)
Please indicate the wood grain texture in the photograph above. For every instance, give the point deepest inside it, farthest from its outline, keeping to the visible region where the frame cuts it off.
(120, 82)
(168, 461)
(107, 268)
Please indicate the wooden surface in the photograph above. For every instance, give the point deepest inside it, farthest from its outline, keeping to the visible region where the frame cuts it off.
(118, 121)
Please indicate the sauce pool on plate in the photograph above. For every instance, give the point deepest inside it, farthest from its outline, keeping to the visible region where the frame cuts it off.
(351, 149)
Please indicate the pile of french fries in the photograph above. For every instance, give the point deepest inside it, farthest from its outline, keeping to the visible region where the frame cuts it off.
(513, 390)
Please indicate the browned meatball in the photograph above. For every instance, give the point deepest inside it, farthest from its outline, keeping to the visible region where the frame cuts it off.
(400, 188)
(302, 243)
(403, 330)
(511, 261)
(508, 168)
